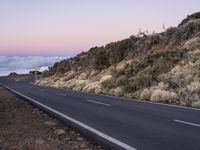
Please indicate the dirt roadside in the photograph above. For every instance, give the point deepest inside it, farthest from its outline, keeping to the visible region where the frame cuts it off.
(24, 127)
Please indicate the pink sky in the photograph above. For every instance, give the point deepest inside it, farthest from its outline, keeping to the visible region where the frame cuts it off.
(66, 27)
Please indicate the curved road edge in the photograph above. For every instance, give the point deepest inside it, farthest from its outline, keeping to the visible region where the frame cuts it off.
(101, 138)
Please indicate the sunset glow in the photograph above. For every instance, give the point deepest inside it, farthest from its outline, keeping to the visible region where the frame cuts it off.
(66, 27)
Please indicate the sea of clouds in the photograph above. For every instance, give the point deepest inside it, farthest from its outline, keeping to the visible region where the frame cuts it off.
(24, 64)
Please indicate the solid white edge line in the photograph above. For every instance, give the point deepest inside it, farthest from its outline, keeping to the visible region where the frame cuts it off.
(101, 134)
(188, 123)
(100, 103)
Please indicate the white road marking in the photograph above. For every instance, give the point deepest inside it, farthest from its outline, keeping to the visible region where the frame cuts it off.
(99, 133)
(61, 94)
(188, 123)
(92, 101)
(18, 79)
(139, 100)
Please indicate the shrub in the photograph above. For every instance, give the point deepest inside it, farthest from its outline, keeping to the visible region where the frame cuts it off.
(122, 80)
(145, 94)
(192, 43)
(115, 73)
(190, 17)
(108, 84)
(55, 79)
(83, 76)
(128, 69)
(13, 74)
(196, 104)
(119, 91)
(69, 76)
(194, 86)
(143, 79)
(105, 78)
(131, 87)
(164, 96)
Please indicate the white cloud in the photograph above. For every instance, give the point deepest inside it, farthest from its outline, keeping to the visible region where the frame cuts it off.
(24, 64)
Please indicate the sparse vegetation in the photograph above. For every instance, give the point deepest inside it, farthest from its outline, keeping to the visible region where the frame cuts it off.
(13, 74)
(161, 67)
(190, 17)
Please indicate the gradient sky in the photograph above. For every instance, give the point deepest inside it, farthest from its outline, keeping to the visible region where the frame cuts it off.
(66, 27)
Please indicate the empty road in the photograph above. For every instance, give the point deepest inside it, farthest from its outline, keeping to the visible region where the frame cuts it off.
(120, 123)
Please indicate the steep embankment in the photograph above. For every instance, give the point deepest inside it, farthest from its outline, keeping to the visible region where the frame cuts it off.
(163, 67)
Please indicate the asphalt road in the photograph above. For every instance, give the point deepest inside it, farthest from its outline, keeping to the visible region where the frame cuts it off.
(122, 124)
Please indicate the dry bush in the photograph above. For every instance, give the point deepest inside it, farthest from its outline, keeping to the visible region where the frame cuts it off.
(69, 75)
(105, 78)
(145, 94)
(108, 84)
(159, 73)
(94, 87)
(194, 56)
(83, 76)
(196, 104)
(119, 91)
(55, 79)
(164, 96)
(192, 43)
(121, 65)
(190, 17)
(122, 80)
(187, 97)
(194, 86)
(94, 72)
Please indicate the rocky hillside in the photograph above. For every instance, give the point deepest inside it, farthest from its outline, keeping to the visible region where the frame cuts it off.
(162, 67)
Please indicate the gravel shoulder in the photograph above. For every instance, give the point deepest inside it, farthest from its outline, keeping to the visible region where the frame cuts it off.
(23, 126)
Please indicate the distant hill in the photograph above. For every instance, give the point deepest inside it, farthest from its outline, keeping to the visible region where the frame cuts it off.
(162, 67)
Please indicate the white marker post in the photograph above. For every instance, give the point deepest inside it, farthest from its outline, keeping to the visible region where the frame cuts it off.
(35, 74)
(36, 71)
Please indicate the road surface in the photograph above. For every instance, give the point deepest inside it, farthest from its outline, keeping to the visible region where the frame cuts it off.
(117, 122)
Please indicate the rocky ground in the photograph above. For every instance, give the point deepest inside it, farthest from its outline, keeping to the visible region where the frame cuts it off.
(23, 126)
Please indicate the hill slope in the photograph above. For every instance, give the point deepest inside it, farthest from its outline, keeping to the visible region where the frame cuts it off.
(162, 67)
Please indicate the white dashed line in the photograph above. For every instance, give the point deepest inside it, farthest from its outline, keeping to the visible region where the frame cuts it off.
(99, 133)
(91, 101)
(188, 123)
(61, 94)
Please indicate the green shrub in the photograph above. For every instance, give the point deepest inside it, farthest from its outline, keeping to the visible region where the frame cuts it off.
(189, 17)
(122, 80)
(143, 79)
(146, 71)
(196, 104)
(108, 84)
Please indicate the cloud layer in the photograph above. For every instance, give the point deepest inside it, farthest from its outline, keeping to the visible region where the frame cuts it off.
(21, 64)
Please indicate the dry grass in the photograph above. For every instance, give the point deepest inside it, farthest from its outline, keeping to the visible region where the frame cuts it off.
(105, 78)
(145, 94)
(194, 86)
(69, 75)
(193, 43)
(196, 104)
(119, 91)
(163, 96)
(161, 74)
